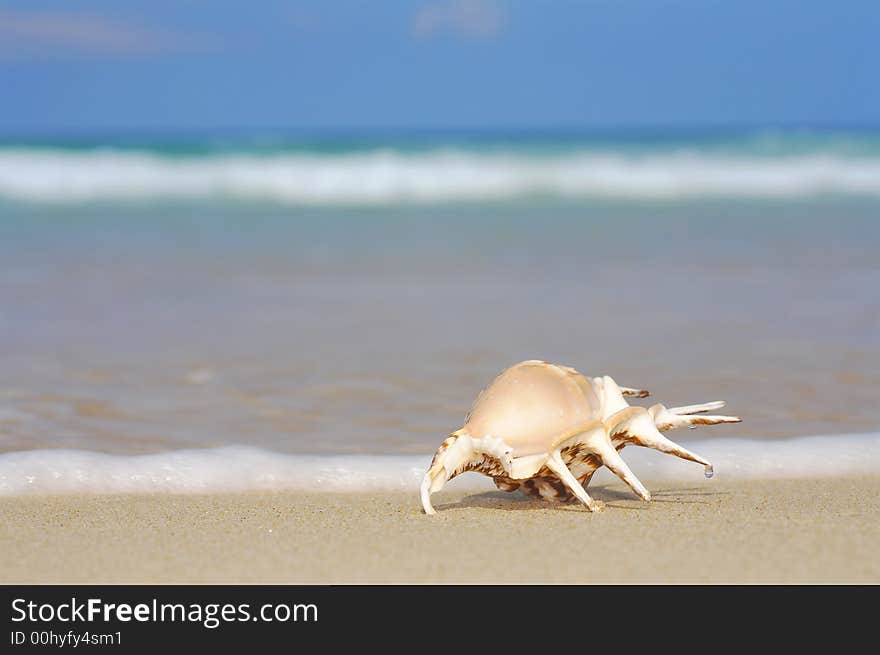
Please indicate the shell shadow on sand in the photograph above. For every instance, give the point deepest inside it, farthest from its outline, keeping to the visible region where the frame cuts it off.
(613, 499)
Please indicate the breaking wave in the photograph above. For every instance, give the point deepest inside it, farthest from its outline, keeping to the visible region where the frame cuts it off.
(240, 468)
(440, 175)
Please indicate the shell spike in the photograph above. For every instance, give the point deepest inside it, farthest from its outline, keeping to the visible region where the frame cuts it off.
(449, 460)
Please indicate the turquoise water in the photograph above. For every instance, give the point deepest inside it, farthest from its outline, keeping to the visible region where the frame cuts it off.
(352, 295)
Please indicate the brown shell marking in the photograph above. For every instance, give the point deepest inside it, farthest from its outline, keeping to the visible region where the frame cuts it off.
(546, 485)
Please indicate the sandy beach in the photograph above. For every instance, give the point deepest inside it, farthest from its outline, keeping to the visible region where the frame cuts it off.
(768, 531)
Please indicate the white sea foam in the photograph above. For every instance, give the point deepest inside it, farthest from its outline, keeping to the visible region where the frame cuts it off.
(239, 468)
(382, 177)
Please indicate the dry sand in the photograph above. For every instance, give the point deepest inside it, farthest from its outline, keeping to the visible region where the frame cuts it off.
(816, 530)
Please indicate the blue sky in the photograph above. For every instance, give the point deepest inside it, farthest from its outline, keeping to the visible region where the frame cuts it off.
(338, 64)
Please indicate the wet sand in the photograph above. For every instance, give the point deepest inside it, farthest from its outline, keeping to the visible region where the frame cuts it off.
(145, 330)
(770, 531)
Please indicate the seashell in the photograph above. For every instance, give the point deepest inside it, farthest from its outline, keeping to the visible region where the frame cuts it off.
(545, 429)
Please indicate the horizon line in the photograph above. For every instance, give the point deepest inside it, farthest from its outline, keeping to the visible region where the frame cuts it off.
(319, 132)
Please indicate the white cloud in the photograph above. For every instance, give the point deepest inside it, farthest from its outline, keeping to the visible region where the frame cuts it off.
(27, 32)
(478, 20)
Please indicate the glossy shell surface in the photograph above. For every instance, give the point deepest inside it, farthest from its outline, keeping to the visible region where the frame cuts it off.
(531, 404)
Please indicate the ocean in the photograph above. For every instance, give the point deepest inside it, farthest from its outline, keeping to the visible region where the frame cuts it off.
(235, 311)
